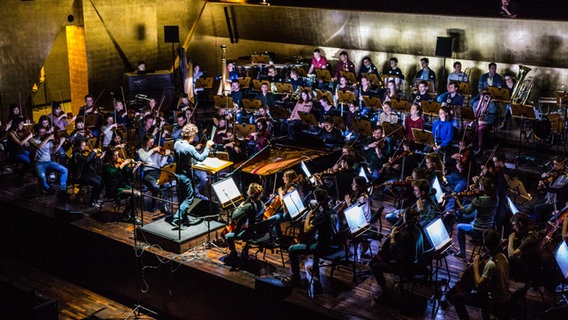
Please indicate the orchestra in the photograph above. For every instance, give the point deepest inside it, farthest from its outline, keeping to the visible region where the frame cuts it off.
(366, 155)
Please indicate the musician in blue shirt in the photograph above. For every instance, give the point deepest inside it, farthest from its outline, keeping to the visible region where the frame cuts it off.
(442, 130)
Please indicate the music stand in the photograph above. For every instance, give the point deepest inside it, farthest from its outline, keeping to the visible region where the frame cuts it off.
(308, 119)
(441, 242)
(373, 79)
(244, 130)
(169, 145)
(373, 103)
(279, 113)
(262, 59)
(284, 88)
(223, 102)
(524, 113)
(350, 76)
(431, 108)
(362, 127)
(227, 192)
(400, 105)
(338, 122)
(345, 96)
(423, 136)
(323, 75)
(396, 129)
(463, 88)
(251, 104)
(294, 205)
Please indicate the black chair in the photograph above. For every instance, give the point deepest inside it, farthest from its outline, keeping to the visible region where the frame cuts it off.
(264, 237)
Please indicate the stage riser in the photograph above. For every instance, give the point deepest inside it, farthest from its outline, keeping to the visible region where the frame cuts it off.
(175, 245)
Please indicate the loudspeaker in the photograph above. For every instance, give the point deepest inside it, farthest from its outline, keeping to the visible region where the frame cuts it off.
(171, 34)
(203, 208)
(271, 288)
(444, 47)
(67, 214)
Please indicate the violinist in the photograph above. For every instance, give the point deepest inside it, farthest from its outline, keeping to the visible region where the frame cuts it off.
(329, 135)
(424, 206)
(414, 120)
(120, 113)
(88, 110)
(58, 117)
(17, 146)
(400, 253)
(499, 171)
(434, 168)
(555, 184)
(13, 114)
(403, 161)
(108, 130)
(45, 147)
(148, 127)
(479, 215)
(464, 164)
(523, 249)
(80, 133)
(247, 215)
(491, 281)
(259, 139)
(376, 153)
(117, 174)
(184, 102)
(360, 196)
(338, 179)
(86, 165)
(185, 154)
(234, 147)
(178, 126)
(154, 158)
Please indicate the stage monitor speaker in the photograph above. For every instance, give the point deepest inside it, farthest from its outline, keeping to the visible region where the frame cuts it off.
(271, 288)
(203, 208)
(66, 214)
(444, 47)
(171, 34)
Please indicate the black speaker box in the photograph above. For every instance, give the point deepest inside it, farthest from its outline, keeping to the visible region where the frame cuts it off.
(67, 214)
(444, 47)
(171, 34)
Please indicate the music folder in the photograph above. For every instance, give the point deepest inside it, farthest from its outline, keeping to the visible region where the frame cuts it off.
(227, 192)
(307, 172)
(438, 236)
(294, 205)
(439, 191)
(356, 220)
(561, 257)
(512, 206)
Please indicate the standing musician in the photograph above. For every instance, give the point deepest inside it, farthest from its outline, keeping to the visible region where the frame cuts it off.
(458, 75)
(491, 281)
(413, 120)
(185, 153)
(117, 175)
(86, 166)
(499, 171)
(247, 215)
(318, 232)
(108, 130)
(399, 253)
(490, 79)
(485, 111)
(154, 157)
(479, 215)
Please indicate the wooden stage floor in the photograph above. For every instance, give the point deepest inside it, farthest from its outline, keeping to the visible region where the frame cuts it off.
(99, 254)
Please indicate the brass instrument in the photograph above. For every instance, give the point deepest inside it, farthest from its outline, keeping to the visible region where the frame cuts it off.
(522, 88)
(467, 73)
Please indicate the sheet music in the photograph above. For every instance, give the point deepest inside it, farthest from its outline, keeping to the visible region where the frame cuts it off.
(212, 162)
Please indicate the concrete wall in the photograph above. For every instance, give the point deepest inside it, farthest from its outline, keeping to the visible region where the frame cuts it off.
(29, 31)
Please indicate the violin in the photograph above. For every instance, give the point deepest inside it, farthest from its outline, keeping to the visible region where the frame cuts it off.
(545, 182)
(553, 225)
(276, 203)
(468, 193)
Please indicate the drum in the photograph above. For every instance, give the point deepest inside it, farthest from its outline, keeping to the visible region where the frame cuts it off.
(542, 129)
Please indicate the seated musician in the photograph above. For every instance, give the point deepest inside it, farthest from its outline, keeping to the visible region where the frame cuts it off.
(376, 152)
(274, 210)
(400, 253)
(434, 168)
(326, 109)
(246, 216)
(404, 160)
(423, 94)
(17, 147)
(85, 166)
(178, 126)
(360, 196)
(296, 80)
(425, 73)
(331, 136)
(353, 113)
(343, 86)
(523, 249)
(120, 113)
(237, 96)
(394, 70)
(388, 114)
(479, 215)
(367, 67)
(413, 120)
(148, 127)
(490, 79)
(344, 64)
(58, 117)
(108, 129)
(491, 281)
(234, 147)
(509, 85)
(154, 157)
(452, 99)
(425, 207)
(266, 97)
(485, 112)
(45, 146)
(304, 104)
(365, 90)
(391, 93)
(318, 221)
(443, 131)
(261, 138)
(117, 174)
(271, 75)
(554, 183)
(458, 75)
(464, 167)
(337, 180)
